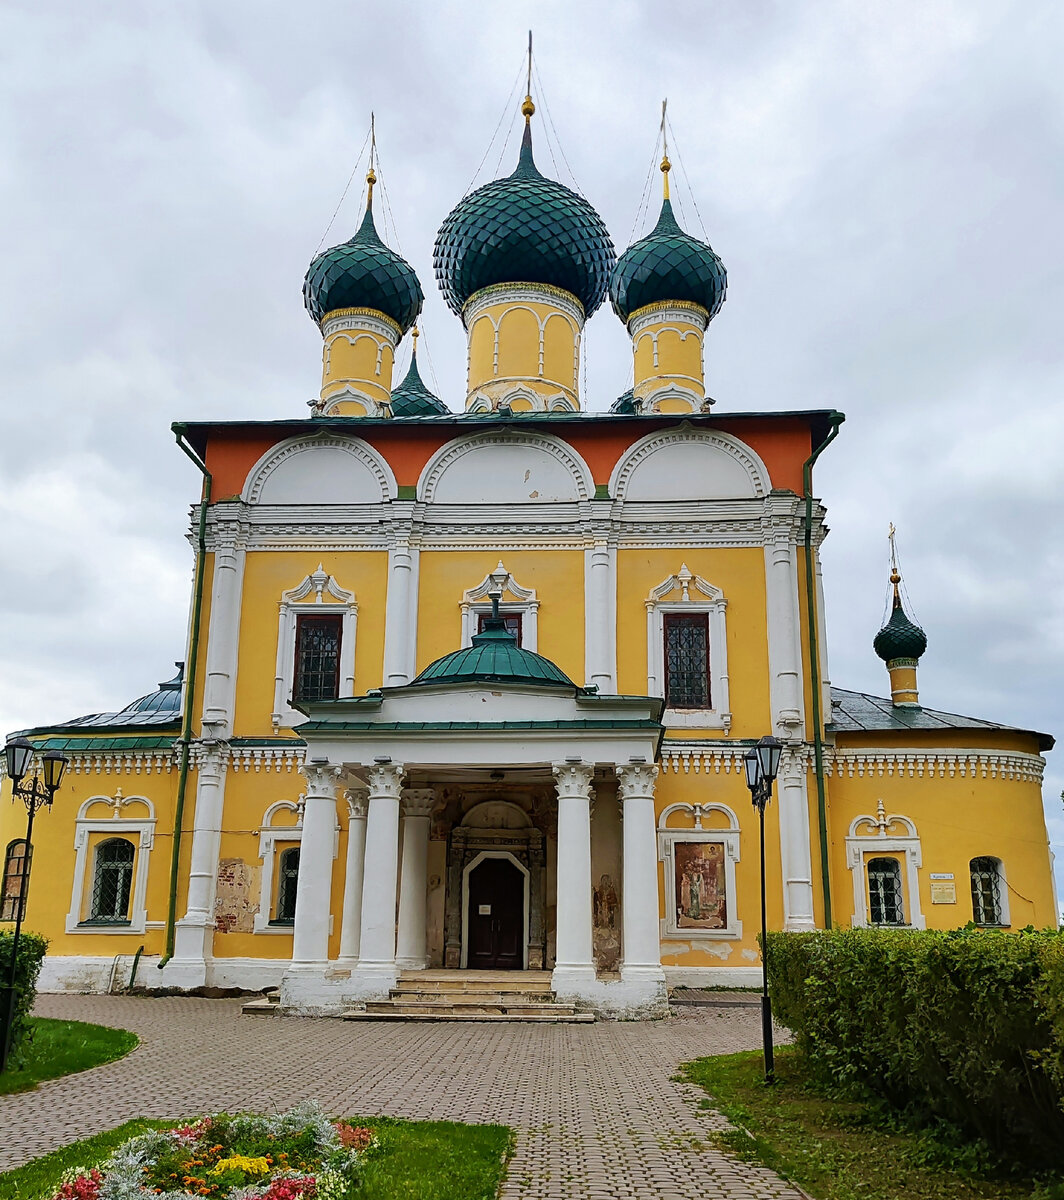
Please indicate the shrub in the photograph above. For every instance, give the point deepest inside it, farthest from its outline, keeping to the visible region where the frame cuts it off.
(31, 950)
(965, 1025)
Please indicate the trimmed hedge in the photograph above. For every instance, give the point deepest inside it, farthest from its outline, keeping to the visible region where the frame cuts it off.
(31, 951)
(965, 1025)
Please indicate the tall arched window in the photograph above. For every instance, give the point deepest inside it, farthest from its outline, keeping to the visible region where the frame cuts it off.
(16, 867)
(111, 882)
(884, 892)
(987, 907)
(288, 872)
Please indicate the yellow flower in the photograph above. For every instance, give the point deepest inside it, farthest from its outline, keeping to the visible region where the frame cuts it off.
(240, 1162)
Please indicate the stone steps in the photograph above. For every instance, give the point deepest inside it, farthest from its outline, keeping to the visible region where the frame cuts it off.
(268, 1005)
(577, 1018)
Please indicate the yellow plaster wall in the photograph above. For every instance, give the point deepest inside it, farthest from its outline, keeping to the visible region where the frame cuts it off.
(350, 357)
(267, 574)
(518, 354)
(679, 358)
(557, 576)
(740, 574)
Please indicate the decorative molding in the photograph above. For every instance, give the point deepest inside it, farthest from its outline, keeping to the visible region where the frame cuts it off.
(359, 450)
(670, 313)
(728, 838)
(514, 295)
(686, 433)
(573, 780)
(417, 802)
(321, 779)
(341, 320)
(941, 763)
(525, 601)
(636, 779)
(386, 780)
(269, 835)
(357, 799)
(878, 839)
(141, 832)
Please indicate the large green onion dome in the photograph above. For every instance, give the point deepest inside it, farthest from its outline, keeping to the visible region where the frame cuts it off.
(524, 228)
(494, 657)
(667, 265)
(412, 398)
(363, 273)
(900, 637)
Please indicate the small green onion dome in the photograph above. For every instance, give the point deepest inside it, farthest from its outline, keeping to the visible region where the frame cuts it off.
(412, 398)
(524, 228)
(363, 273)
(900, 637)
(667, 264)
(625, 405)
(494, 657)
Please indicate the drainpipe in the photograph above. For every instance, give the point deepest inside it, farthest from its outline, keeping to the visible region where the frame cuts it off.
(190, 692)
(836, 419)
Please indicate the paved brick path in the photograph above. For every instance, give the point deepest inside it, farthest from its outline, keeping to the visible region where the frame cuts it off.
(596, 1113)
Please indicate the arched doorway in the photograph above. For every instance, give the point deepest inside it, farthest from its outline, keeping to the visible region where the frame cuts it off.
(496, 914)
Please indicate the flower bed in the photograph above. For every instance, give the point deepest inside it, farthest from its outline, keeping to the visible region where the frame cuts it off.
(299, 1155)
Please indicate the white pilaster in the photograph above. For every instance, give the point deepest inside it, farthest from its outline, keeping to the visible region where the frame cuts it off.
(642, 943)
(600, 617)
(822, 638)
(310, 934)
(400, 614)
(795, 849)
(574, 971)
(411, 950)
(376, 972)
(351, 929)
(223, 638)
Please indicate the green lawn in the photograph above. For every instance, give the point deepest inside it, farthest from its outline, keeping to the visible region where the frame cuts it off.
(418, 1160)
(62, 1048)
(842, 1150)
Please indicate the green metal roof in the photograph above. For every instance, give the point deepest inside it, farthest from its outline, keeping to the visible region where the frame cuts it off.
(160, 709)
(458, 726)
(900, 637)
(102, 744)
(363, 273)
(667, 264)
(625, 404)
(524, 228)
(413, 399)
(494, 657)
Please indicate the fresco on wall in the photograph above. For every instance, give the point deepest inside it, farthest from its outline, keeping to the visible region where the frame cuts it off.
(701, 900)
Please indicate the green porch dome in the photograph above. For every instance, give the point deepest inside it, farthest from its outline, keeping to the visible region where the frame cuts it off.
(524, 228)
(900, 637)
(494, 657)
(667, 264)
(412, 398)
(363, 273)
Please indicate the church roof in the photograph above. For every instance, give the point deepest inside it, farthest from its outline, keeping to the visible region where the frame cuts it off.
(854, 712)
(159, 708)
(494, 657)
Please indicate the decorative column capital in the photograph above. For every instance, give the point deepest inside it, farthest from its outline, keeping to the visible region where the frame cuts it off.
(636, 779)
(386, 780)
(321, 779)
(357, 802)
(573, 780)
(418, 802)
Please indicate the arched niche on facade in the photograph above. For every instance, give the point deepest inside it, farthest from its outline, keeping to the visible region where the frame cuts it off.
(686, 463)
(505, 467)
(320, 469)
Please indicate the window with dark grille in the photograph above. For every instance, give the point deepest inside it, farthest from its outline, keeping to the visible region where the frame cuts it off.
(884, 892)
(288, 876)
(16, 868)
(986, 891)
(687, 660)
(511, 620)
(317, 672)
(111, 882)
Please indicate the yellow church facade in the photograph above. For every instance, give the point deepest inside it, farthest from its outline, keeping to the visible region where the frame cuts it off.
(471, 691)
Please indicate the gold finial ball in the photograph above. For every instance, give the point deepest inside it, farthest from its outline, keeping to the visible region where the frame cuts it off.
(666, 166)
(371, 176)
(527, 108)
(895, 578)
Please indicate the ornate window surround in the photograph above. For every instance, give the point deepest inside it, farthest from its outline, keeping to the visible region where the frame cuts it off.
(729, 838)
(525, 601)
(879, 838)
(309, 598)
(139, 830)
(708, 599)
(270, 835)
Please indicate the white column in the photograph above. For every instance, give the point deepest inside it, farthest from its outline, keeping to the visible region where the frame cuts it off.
(795, 846)
(376, 953)
(574, 970)
(223, 639)
(400, 613)
(600, 617)
(822, 638)
(411, 951)
(310, 934)
(351, 929)
(640, 929)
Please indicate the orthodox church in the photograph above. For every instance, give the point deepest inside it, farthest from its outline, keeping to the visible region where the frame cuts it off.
(518, 654)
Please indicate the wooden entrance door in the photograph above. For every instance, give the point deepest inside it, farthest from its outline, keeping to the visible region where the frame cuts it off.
(496, 916)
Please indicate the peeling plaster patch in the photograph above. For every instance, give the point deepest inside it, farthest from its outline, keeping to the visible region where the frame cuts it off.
(751, 956)
(676, 950)
(234, 908)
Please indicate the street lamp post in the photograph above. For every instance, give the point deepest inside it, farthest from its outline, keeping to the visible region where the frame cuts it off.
(38, 792)
(762, 762)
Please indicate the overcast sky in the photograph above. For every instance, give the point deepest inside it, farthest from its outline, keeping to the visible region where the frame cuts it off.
(883, 180)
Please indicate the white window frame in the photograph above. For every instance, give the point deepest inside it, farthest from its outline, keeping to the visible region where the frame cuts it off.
(874, 837)
(308, 599)
(524, 601)
(269, 835)
(140, 831)
(1003, 892)
(729, 838)
(696, 595)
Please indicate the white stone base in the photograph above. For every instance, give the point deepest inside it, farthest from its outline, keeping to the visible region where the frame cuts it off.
(96, 973)
(372, 981)
(639, 995)
(713, 977)
(315, 990)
